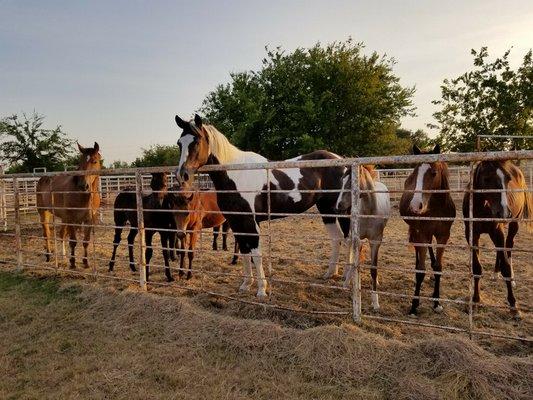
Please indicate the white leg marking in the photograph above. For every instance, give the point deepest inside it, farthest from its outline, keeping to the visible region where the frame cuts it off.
(247, 273)
(336, 236)
(375, 301)
(261, 281)
(417, 199)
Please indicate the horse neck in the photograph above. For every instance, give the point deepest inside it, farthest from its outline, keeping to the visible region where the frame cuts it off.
(222, 151)
(438, 200)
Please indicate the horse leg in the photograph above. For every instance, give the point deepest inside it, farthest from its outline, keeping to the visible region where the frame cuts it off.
(131, 241)
(116, 242)
(235, 252)
(165, 243)
(421, 253)
(433, 261)
(63, 231)
(336, 236)
(498, 238)
(225, 229)
(45, 222)
(86, 240)
(182, 256)
(437, 267)
(192, 244)
(149, 250)
(374, 251)
(476, 267)
(509, 243)
(72, 243)
(216, 229)
(257, 260)
(172, 244)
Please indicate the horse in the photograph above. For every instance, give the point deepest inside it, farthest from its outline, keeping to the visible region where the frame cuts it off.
(245, 190)
(193, 211)
(417, 203)
(155, 220)
(512, 201)
(375, 200)
(73, 199)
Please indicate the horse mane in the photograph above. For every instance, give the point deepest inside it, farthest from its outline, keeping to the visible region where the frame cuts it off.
(220, 146)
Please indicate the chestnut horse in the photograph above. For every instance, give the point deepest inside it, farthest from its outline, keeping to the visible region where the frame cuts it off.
(195, 210)
(512, 201)
(73, 199)
(416, 203)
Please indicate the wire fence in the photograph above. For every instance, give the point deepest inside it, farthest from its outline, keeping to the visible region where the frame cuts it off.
(295, 251)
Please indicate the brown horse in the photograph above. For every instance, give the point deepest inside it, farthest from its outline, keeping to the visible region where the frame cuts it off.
(73, 199)
(416, 203)
(195, 210)
(507, 203)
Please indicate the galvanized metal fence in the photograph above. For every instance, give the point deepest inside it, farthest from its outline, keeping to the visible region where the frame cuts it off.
(20, 241)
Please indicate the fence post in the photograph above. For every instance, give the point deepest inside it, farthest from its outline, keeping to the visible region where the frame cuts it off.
(18, 238)
(3, 203)
(471, 248)
(269, 206)
(355, 244)
(140, 227)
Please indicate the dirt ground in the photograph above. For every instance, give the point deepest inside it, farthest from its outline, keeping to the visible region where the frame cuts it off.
(300, 251)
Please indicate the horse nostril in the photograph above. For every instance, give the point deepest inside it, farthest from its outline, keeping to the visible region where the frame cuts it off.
(420, 206)
(185, 176)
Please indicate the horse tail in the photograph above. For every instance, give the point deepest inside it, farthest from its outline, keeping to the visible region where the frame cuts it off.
(527, 212)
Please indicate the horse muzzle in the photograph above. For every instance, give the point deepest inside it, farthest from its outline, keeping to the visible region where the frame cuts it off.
(180, 235)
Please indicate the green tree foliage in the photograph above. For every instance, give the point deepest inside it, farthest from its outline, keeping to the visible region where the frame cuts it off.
(25, 144)
(119, 164)
(326, 97)
(158, 155)
(492, 99)
(418, 137)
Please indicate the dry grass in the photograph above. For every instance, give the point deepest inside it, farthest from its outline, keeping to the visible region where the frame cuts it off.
(82, 341)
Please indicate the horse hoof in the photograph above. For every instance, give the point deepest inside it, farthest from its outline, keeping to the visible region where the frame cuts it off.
(495, 276)
(516, 314)
(170, 279)
(438, 309)
(261, 294)
(189, 276)
(513, 283)
(329, 275)
(245, 287)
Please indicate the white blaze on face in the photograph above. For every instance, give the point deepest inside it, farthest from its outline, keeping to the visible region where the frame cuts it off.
(185, 141)
(342, 194)
(505, 204)
(417, 200)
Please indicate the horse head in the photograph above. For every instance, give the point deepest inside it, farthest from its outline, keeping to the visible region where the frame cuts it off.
(492, 175)
(90, 160)
(425, 177)
(194, 148)
(178, 200)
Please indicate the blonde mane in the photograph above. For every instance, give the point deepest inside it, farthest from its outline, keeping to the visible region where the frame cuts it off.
(220, 146)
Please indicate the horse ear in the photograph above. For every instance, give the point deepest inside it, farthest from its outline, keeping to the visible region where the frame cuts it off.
(436, 149)
(197, 120)
(181, 123)
(96, 147)
(80, 148)
(416, 150)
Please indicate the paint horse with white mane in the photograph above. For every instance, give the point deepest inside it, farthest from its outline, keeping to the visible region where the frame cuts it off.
(374, 200)
(245, 190)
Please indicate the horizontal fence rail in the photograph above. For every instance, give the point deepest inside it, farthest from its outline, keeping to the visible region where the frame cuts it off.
(290, 274)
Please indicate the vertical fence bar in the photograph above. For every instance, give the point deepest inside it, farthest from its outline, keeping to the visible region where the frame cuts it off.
(355, 244)
(140, 227)
(3, 202)
(269, 235)
(471, 247)
(52, 201)
(18, 238)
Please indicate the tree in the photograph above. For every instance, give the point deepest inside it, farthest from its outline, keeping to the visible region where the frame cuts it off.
(119, 164)
(158, 155)
(492, 99)
(331, 97)
(418, 137)
(26, 144)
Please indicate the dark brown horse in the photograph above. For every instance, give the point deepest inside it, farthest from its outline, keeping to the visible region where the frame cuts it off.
(155, 220)
(73, 199)
(509, 200)
(416, 203)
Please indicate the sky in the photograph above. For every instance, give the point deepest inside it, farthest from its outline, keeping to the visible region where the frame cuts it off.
(117, 72)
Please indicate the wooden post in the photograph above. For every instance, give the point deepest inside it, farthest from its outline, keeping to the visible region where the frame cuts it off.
(355, 244)
(18, 238)
(140, 227)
